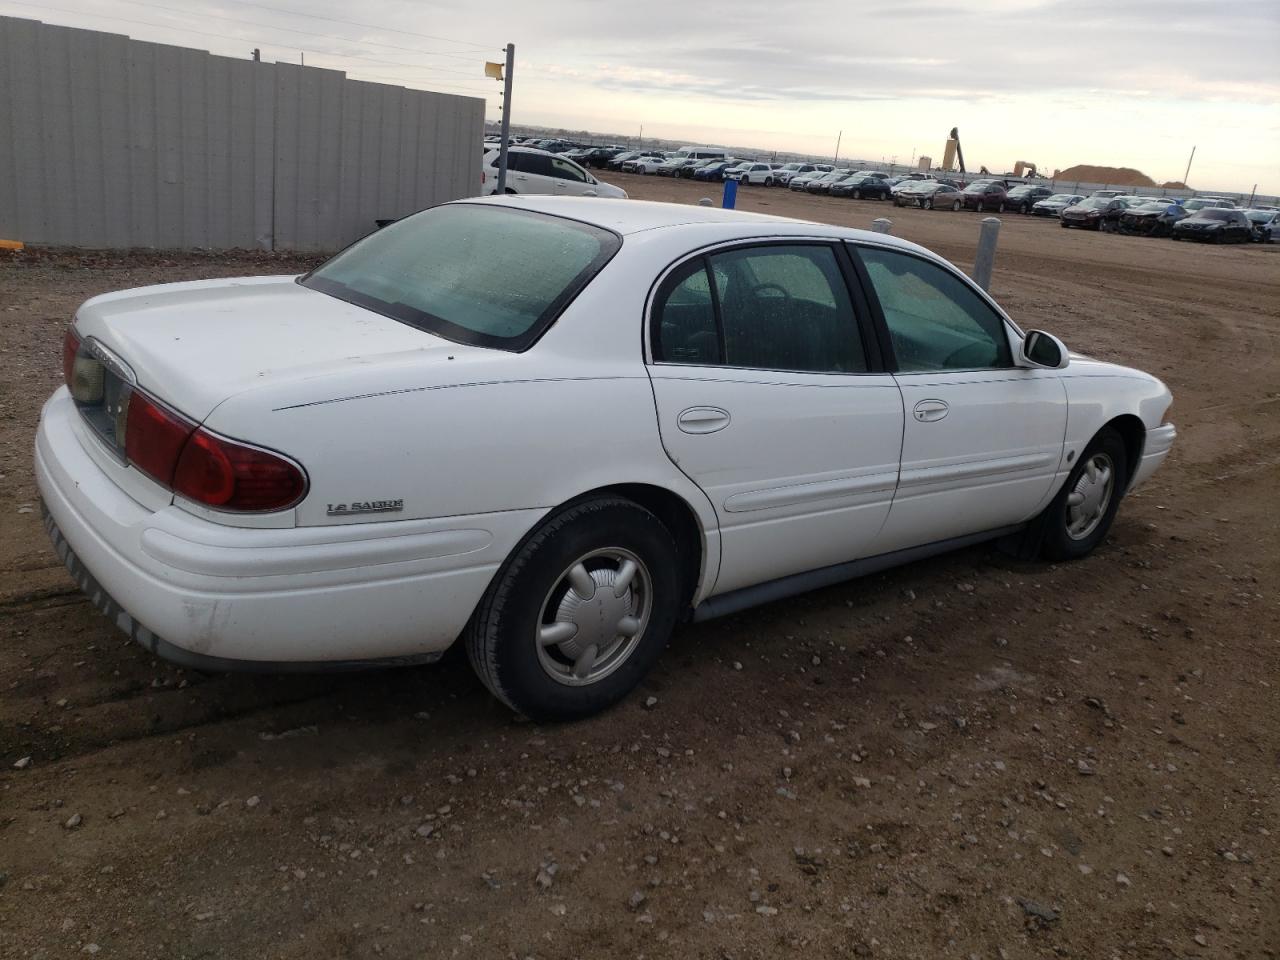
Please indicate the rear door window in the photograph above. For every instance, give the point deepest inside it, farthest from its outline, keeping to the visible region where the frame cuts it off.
(771, 307)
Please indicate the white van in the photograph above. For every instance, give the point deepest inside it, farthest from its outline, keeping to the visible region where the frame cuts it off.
(530, 170)
(701, 153)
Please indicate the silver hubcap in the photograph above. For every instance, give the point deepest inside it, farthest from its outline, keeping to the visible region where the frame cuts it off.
(1088, 500)
(594, 616)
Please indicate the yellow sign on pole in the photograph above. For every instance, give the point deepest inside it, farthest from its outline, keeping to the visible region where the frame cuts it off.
(493, 70)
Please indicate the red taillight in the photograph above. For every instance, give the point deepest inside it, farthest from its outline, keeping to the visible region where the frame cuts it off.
(153, 437)
(231, 476)
(70, 347)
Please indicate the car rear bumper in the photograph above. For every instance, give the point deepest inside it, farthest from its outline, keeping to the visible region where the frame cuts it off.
(220, 597)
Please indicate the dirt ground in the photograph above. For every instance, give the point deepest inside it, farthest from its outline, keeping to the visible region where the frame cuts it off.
(969, 757)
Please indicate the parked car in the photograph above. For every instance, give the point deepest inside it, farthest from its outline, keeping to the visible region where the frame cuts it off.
(1023, 198)
(1093, 213)
(782, 176)
(1108, 194)
(600, 156)
(822, 183)
(1202, 203)
(714, 171)
(757, 173)
(1266, 224)
(400, 478)
(645, 163)
(618, 159)
(1215, 225)
(857, 186)
(1151, 218)
(530, 170)
(984, 195)
(692, 167)
(1054, 205)
(929, 194)
(802, 180)
(673, 166)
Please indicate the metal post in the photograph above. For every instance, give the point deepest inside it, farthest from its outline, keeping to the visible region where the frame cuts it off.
(506, 119)
(986, 257)
(836, 159)
(1188, 173)
(881, 225)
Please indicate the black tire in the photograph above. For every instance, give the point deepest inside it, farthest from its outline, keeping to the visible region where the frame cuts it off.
(1024, 209)
(501, 635)
(955, 207)
(768, 181)
(980, 206)
(1057, 543)
(857, 194)
(928, 203)
(1064, 225)
(1000, 208)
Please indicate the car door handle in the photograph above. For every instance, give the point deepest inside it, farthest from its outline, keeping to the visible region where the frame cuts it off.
(926, 411)
(703, 419)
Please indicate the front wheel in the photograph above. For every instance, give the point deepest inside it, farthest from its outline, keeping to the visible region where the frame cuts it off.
(1081, 514)
(1024, 209)
(768, 181)
(580, 613)
(955, 207)
(928, 203)
(980, 207)
(857, 194)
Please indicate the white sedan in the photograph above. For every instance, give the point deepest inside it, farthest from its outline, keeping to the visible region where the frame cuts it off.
(552, 428)
(541, 171)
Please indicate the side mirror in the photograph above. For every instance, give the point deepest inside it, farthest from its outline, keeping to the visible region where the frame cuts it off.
(1043, 350)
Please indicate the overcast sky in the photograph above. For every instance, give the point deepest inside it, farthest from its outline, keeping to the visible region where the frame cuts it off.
(1117, 82)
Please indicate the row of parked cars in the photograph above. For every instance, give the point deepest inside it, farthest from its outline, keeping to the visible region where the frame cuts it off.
(1211, 219)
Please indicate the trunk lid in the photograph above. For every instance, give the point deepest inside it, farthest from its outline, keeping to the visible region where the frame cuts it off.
(195, 344)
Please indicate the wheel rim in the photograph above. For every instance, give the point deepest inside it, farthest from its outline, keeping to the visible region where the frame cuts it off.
(857, 194)
(1088, 500)
(979, 206)
(594, 616)
(928, 204)
(956, 205)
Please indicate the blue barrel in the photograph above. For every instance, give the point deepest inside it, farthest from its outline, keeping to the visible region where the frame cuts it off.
(730, 194)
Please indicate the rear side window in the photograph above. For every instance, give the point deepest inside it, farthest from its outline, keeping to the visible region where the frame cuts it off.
(774, 307)
(472, 273)
(935, 320)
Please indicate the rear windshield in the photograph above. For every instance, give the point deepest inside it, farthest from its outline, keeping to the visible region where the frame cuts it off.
(472, 273)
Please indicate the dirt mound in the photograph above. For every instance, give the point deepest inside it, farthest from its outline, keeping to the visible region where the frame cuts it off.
(1174, 185)
(1121, 176)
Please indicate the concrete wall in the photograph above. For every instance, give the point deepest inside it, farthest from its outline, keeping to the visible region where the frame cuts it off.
(112, 142)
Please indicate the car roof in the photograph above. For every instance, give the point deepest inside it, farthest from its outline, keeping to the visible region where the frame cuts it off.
(635, 216)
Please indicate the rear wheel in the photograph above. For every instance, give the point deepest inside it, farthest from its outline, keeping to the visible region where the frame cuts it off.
(980, 207)
(1024, 209)
(580, 612)
(1081, 514)
(857, 194)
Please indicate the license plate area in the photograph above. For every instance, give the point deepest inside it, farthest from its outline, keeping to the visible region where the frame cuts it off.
(101, 386)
